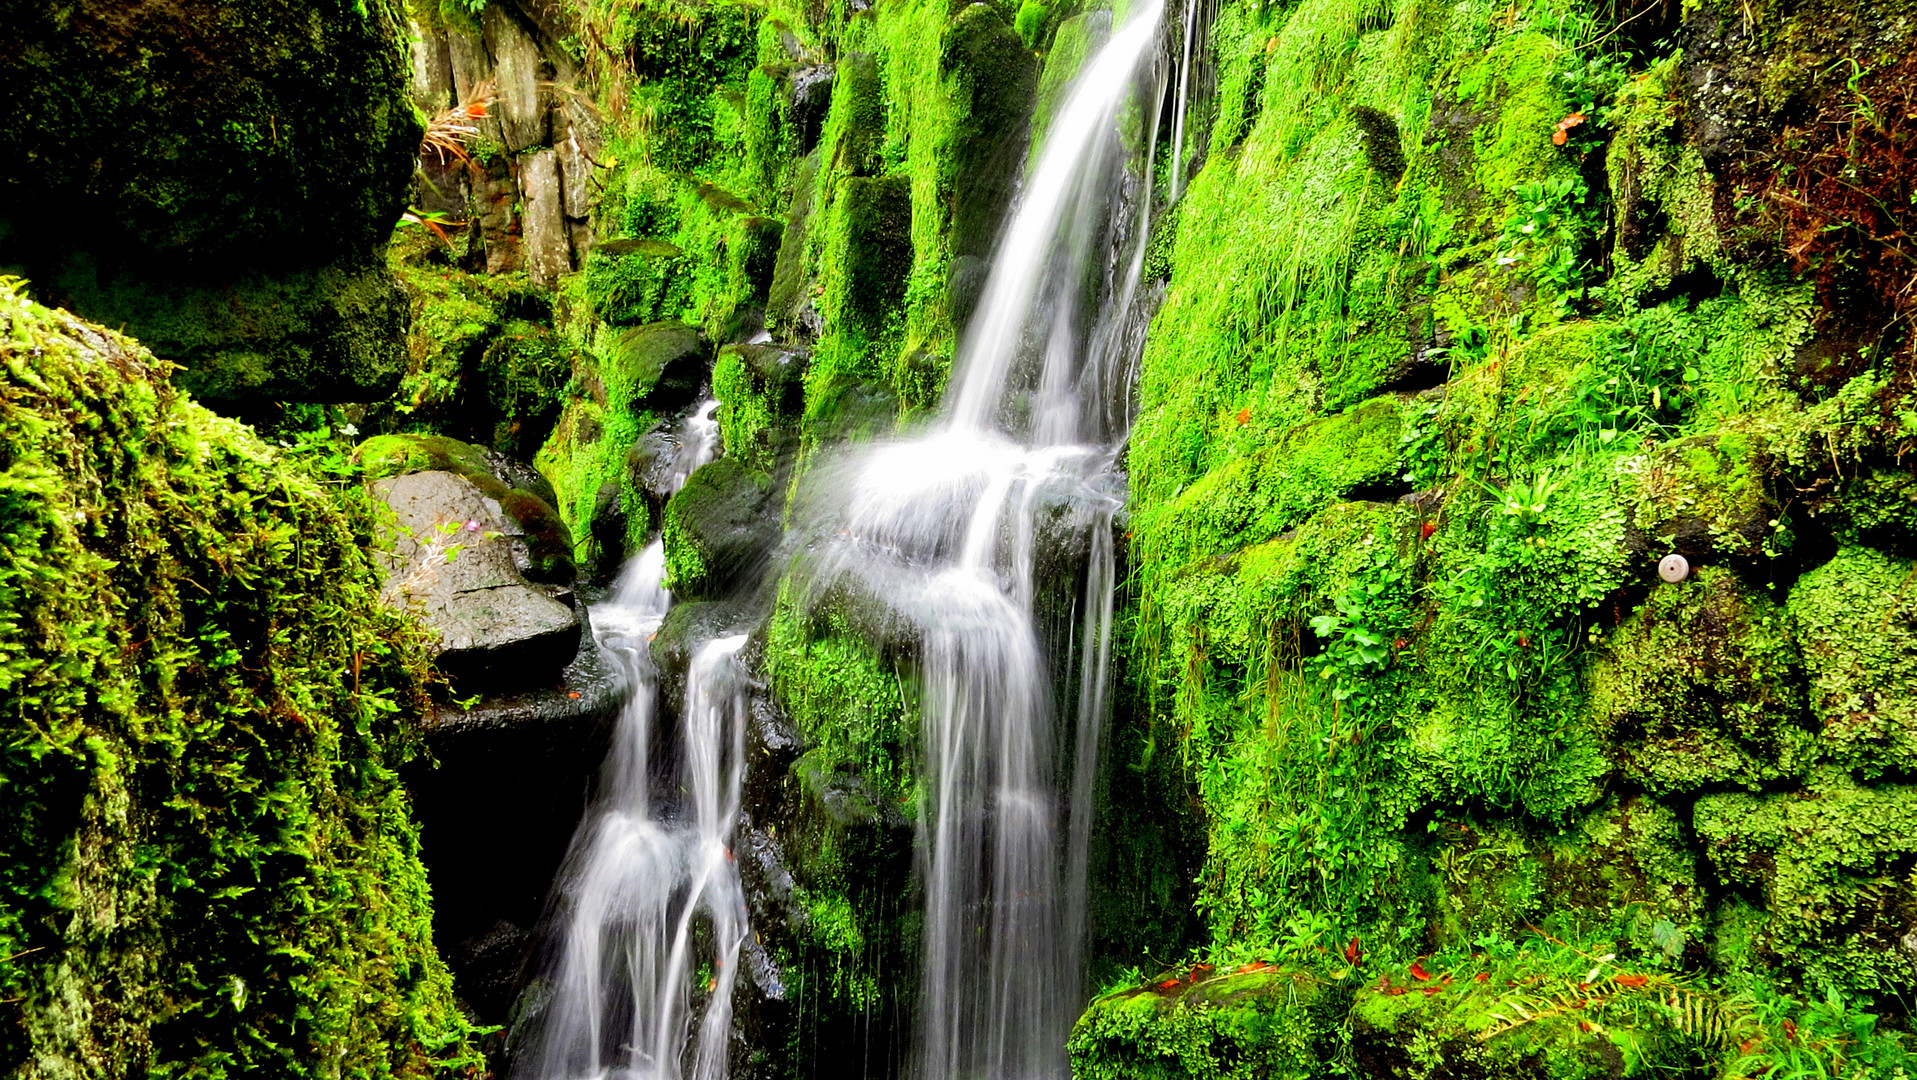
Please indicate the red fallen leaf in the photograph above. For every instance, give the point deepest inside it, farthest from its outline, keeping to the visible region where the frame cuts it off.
(1584, 1026)
(572, 693)
(1352, 951)
(1425, 530)
(1168, 984)
(1430, 990)
(1631, 980)
(1559, 138)
(1394, 991)
(1571, 121)
(1481, 976)
(476, 110)
(1255, 965)
(1790, 1030)
(1244, 417)
(1419, 973)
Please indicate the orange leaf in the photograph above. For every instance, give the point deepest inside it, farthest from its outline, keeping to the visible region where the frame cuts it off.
(1558, 137)
(1168, 984)
(1244, 417)
(1481, 976)
(1419, 973)
(1353, 952)
(1632, 980)
(1394, 991)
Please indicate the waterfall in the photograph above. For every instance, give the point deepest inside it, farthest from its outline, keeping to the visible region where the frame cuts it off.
(620, 996)
(960, 532)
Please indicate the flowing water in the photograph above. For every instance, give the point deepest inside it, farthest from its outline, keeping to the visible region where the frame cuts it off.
(649, 892)
(975, 535)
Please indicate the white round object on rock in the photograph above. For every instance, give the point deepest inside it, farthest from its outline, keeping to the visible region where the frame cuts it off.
(1674, 568)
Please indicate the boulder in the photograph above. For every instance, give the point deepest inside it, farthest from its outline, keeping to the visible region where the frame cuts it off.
(719, 530)
(452, 562)
(227, 197)
(540, 543)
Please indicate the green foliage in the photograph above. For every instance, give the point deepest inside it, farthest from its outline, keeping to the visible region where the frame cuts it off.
(212, 866)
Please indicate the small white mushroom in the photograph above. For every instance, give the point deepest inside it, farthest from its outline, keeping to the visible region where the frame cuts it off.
(1674, 568)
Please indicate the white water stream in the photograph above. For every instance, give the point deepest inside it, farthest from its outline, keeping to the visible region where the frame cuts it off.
(622, 995)
(966, 533)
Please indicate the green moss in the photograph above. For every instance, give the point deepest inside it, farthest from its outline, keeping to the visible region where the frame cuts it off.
(214, 871)
(716, 529)
(230, 209)
(1703, 685)
(1240, 1026)
(1832, 864)
(1856, 617)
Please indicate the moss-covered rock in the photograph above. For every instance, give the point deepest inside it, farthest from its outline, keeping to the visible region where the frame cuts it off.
(226, 198)
(1832, 864)
(212, 868)
(524, 495)
(995, 82)
(1249, 1024)
(1856, 617)
(761, 392)
(1703, 685)
(718, 530)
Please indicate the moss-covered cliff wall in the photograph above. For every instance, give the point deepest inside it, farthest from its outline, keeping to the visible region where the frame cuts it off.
(1474, 314)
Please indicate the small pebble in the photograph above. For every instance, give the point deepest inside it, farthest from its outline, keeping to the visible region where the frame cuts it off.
(1674, 568)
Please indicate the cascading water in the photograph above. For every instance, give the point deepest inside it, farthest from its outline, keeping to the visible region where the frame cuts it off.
(620, 995)
(959, 533)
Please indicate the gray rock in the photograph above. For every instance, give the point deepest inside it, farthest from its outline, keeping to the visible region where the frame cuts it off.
(432, 69)
(548, 251)
(575, 176)
(494, 628)
(516, 62)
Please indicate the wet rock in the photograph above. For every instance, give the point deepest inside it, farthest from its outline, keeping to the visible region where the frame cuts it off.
(452, 563)
(808, 99)
(995, 81)
(541, 544)
(661, 366)
(497, 810)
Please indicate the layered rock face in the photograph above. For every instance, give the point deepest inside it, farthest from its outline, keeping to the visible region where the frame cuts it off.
(218, 179)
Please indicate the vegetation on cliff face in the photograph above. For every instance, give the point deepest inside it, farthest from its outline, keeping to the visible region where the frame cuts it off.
(211, 869)
(1400, 486)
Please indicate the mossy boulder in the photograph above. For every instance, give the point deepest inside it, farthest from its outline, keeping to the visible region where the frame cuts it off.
(1538, 1014)
(543, 544)
(1707, 498)
(1856, 617)
(761, 392)
(1248, 1025)
(212, 868)
(719, 529)
(1703, 685)
(225, 198)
